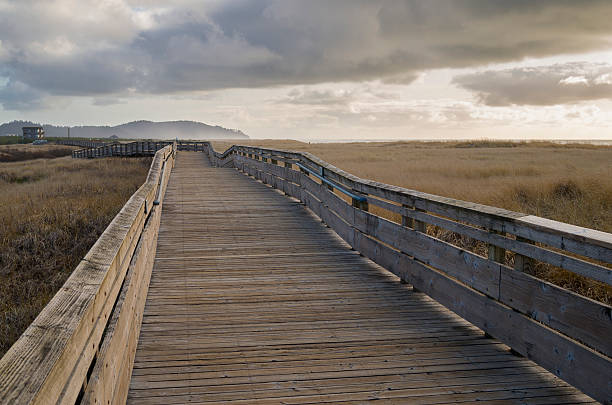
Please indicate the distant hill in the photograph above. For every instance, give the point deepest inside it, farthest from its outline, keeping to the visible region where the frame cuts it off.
(135, 129)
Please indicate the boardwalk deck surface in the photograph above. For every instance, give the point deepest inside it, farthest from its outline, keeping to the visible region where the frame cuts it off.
(254, 301)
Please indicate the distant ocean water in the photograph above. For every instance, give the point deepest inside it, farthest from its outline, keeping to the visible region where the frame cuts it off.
(590, 142)
(602, 142)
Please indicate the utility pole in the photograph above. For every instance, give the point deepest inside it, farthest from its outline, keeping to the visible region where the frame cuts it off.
(68, 132)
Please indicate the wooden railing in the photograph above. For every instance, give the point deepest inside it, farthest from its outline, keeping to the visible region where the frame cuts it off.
(142, 148)
(137, 148)
(82, 344)
(566, 333)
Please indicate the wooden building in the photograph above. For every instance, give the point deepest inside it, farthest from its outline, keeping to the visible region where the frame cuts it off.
(33, 132)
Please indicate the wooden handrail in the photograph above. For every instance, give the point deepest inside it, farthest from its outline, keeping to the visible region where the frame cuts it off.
(566, 333)
(52, 360)
(128, 149)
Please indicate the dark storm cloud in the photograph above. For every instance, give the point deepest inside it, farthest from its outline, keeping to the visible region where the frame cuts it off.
(544, 85)
(72, 47)
(20, 96)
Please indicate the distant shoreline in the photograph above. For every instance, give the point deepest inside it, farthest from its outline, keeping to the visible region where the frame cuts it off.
(601, 142)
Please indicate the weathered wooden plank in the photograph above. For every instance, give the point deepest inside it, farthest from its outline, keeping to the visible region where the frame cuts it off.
(583, 241)
(474, 270)
(358, 384)
(519, 245)
(583, 319)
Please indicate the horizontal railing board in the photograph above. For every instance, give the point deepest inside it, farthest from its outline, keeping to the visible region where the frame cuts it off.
(478, 272)
(570, 237)
(581, 318)
(578, 266)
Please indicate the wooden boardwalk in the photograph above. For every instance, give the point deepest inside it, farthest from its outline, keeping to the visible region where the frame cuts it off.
(253, 300)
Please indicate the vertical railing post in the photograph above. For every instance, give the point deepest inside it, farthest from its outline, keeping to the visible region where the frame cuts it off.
(496, 253)
(329, 186)
(407, 221)
(523, 263)
(419, 226)
(415, 224)
(410, 222)
(360, 204)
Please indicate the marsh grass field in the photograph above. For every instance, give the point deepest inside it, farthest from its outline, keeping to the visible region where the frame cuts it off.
(570, 183)
(52, 210)
(20, 152)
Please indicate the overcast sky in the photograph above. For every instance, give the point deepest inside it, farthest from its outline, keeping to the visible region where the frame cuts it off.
(311, 69)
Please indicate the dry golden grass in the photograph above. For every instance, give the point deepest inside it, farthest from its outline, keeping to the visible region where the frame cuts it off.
(51, 213)
(18, 153)
(568, 183)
